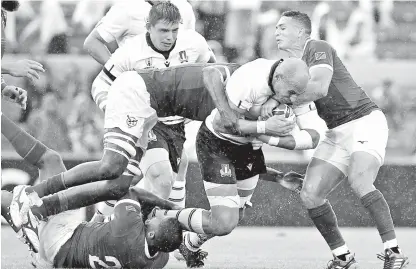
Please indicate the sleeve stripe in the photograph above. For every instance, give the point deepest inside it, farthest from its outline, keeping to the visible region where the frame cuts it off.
(127, 201)
(108, 73)
(120, 145)
(126, 137)
(119, 152)
(323, 65)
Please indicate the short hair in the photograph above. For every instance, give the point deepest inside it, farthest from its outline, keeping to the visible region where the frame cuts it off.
(10, 6)
(300, 17)
(165, 11)
(169, 235)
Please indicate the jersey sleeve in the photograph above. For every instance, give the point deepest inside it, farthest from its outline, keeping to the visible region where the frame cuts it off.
(188, 16)
(238, 90)
(320, 54)
(121, 60)
(204, 51)
(114, 24)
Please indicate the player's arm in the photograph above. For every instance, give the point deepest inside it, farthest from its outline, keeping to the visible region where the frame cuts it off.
(321, 69)
(206, 55)
(147, 198)
(97, 47)
(104, 35)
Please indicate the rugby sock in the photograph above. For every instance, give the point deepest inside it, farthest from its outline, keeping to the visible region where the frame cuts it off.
(342, 252)
(379, 210)
(392, 244)
(326, 222)
(194, 241)
(191, 218)
(50, 186)
(29, 148)
(178, 192)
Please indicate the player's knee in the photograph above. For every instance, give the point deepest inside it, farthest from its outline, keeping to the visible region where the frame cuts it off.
(51, 158)
(110, 170)
(225, 222)
(310, 196)
(361, 187)
(161, 174)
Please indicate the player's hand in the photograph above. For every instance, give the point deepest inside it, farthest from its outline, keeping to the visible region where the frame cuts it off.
(25, 68)
(257, 144)
(267, 108)
(15, 94)
(229, 121)
(276, 126)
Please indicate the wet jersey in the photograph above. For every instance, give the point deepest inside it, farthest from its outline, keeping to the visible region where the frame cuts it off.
(180, 90)
(119, 243)
(345, 101)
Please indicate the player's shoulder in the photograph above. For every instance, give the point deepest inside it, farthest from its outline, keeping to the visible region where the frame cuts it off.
(318, 45)
(190, 35)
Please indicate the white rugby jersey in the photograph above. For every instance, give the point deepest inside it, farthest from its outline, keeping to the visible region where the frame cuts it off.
(247, 88)
(127, 18)
(139, 53)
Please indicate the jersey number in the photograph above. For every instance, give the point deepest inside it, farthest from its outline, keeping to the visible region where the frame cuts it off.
(109, 262)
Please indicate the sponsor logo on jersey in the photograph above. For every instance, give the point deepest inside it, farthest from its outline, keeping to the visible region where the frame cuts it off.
(362, 141)
(225, 170)
(183, 58)
(167, 63)
(152, 136)
(320, 56)
(178, 161)
(131, 121)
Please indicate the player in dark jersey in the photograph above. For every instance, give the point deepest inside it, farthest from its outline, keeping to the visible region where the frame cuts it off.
(354, 146)
(128, 240)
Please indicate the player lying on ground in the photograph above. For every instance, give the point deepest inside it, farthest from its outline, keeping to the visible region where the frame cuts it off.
(129, 240)
(182, 86)
(352, 149)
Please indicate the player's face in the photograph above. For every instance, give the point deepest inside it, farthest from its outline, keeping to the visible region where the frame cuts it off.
(287, 33)
(285, 94)
(163, 34)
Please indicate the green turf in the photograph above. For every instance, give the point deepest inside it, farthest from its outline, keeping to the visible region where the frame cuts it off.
(283, 248)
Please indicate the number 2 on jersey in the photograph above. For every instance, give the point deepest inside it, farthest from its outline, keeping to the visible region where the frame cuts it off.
(110, 262)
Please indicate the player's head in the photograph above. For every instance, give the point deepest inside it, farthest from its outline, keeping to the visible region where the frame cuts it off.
(288, 79)
(163, 233)
(163, 25)
(292, 29)
(10, 5)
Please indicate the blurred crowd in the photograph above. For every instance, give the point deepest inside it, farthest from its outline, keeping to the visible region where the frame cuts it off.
(62, 114)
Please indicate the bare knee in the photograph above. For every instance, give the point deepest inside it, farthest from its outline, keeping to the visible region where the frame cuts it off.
(112, 169)
(161, 174)
(224, 222)
(360, 184)
(118, 188)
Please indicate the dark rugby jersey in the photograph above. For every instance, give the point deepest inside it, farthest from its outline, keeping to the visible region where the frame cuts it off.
(345, 101)
(180, 90)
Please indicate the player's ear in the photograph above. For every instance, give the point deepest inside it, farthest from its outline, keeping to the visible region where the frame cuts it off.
(148, 25)
(151, 234)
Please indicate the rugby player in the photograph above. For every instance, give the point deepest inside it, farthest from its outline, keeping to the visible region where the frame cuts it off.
(128, 240)
(353, 148)
(124, 20)
(163, 45)
(30, 149)
(177, 90)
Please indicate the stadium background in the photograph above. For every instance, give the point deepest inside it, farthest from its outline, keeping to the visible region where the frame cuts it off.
(376, 38)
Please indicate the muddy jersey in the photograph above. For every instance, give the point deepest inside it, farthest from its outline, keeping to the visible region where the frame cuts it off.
(119, 243)
(180, 90)
(345, 101)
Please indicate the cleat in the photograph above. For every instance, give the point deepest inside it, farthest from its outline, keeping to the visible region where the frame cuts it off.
(177, 255)
(194, 259)
(393, 260)
(337, 263)
(19, 206)
(31, 231)
(13, 220)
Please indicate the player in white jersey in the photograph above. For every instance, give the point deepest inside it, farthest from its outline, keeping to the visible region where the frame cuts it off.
(161, 46)
(126, 19)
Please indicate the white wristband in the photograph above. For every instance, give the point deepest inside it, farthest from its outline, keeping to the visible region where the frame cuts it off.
(261, 127)
(274, 141)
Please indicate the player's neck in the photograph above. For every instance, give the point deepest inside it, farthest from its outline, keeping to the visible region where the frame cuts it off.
(298, 48)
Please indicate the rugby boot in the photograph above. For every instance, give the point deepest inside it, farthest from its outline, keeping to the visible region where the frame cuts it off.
(393, 260)
(194, 259)
(337, 263)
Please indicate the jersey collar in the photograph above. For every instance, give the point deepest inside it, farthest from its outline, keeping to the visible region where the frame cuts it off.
(150, 43)
(146, 250)
(306, 43)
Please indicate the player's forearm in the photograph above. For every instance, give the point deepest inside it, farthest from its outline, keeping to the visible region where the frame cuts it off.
(214, 83)
(3, 83)
(302, 140)
(255, 128)
(97, 49)
(149, 198)
(314, 91)
(5, 67)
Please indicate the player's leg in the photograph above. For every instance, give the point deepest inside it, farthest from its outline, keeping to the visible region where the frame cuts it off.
(178, 192)
(325, 171)
(368, 149)
(48, 161)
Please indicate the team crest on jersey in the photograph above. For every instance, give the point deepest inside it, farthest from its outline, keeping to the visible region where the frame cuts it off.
(183, 58)
(149, 62)
(225, 170)
(250, 166)
(131, 121)
(152, 136)
(320, 56)
(178, 161)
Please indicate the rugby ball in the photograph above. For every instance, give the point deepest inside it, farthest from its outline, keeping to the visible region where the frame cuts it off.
(284, 111)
